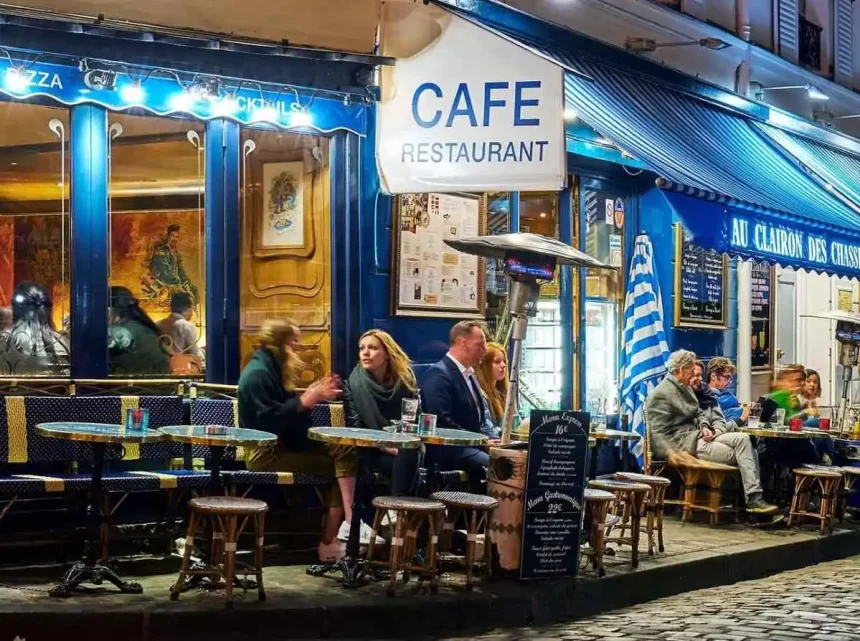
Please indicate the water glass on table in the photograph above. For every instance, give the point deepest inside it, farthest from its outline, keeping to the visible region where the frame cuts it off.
(137, 419)
(409, 410)
(427, 425)
(754, 418)
(779, 418)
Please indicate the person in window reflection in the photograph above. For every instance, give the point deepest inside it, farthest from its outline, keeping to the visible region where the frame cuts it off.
(30, 345)
(493, 377)
(166, 272)
(134, 345)
(372, 398)
(451, 392)
(267, 403)
(5, 318)
(179, 333)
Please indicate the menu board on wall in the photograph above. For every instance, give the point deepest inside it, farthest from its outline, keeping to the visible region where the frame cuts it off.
(761, 308)
(431, 278)
(552, 509)
(700, 284)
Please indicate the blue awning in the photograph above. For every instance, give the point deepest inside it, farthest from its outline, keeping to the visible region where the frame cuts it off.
(736, 185)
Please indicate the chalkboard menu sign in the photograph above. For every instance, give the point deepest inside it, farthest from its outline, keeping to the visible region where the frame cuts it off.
(700, 284)
(761, 307)
(552, 510)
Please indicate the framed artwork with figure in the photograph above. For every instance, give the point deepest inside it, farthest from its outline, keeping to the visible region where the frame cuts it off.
(281, 190)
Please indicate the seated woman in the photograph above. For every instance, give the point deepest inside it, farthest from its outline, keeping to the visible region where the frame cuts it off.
(785, 453)
(134, 343)
(265, 403)
(492, 376)
(371, 398)
(30, 345)
(811, 413)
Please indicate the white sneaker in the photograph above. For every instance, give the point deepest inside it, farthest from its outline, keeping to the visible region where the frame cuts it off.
(364, 538)
(330, 551)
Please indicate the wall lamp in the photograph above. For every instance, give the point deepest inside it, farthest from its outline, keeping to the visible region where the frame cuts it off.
(812, 92)
(644, 45)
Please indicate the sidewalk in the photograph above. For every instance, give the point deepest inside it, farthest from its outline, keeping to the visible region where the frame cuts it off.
(303, 607)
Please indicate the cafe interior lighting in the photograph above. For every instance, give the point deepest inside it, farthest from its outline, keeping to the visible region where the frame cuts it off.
(812, 92)
(300, 118)
(225, 106)
(132, 92)
(645, 45)
(16, 80)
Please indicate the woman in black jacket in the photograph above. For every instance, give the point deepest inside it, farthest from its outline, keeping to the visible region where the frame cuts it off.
(372, 397)
(265, 403)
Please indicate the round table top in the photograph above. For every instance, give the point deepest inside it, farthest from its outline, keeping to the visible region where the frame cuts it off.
(358, 437)
(614, 435)
(769, 432)
(235, 436)
(97, 433)
(445, 436)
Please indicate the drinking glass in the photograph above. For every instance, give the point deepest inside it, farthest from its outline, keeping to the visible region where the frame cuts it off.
(137, 419)
(428, 424)
(754, 418)
(409, 410)
(779, 417)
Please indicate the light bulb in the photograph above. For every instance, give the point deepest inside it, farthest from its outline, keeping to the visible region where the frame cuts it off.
(300, 118)
(266, 113)
(132, 93)
(226, 106)
(182, 101)
(16, 80)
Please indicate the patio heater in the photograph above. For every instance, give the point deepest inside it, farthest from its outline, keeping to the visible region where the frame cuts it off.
(529, 261)
(848, 338)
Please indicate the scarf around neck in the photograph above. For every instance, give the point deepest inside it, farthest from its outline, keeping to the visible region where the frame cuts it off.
(367, 396)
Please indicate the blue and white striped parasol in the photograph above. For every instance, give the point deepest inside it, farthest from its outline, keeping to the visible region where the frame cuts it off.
(645, 352)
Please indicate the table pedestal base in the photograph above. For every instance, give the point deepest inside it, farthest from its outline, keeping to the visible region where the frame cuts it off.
(95, 574)
(352, 569)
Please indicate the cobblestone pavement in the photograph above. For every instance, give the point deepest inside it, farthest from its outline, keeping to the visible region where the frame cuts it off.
(818, 603)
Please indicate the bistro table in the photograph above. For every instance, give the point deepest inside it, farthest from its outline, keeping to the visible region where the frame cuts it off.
(98, 435)
(460, 438)
(352, 565)
(233, 437)
(600, 436)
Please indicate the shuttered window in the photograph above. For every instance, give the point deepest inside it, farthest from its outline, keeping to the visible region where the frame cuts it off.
(787, 29)
(843, 42)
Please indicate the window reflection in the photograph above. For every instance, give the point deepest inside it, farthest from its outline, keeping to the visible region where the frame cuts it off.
(34, 241)
(498, 222)
(157, 275)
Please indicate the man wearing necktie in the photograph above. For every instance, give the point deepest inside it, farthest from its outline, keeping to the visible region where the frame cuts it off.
(451, 392)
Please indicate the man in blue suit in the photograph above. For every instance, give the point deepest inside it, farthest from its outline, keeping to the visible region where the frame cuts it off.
(451, 392)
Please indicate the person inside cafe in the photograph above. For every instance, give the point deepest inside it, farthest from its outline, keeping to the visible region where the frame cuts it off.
(492, 376)
(270, 401)
(372, 397)
(30, 345)
(451, 391)
(134, 343)
(720, 373)
(180, 334)
(682, 432)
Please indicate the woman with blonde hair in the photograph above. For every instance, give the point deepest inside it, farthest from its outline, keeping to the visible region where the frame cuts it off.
(269, 401)
(372, 397)
(492, 376)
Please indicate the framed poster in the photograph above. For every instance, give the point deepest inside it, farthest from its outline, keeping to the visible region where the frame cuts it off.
(281, 192)
(701, 283)
(761, 311)
(430, 278)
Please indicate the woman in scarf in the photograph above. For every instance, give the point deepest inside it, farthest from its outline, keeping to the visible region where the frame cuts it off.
(372, 398)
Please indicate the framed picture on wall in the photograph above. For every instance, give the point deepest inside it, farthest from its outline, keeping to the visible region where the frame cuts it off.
(281, 193)
(428, 277)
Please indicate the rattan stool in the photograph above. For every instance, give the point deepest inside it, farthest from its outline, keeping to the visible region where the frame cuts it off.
(632, 496)
(828, 481)
(411, 512)
(849, 478)
(224, 512)
(597, 503)
(477, 511)
(654, 505)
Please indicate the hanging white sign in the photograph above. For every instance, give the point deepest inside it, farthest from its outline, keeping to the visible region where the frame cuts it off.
(471, 112)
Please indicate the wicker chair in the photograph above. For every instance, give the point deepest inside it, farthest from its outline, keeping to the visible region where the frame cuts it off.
(654, 505)
(224, 512)
(411, 515)
(477, 512)
(704, 473)
(827, 481)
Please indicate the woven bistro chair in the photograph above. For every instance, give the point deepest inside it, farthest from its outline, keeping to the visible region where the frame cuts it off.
(630, 499)
(654, 505)
(827, 481)
(713, 476)
(477, 512)
(597, 503)
(224, 512)
(411, 513)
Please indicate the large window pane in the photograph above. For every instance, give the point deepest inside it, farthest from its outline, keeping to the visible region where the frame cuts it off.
(34, 240)
(286, 241)
(157, 275)
(498, 222)
(543, 362)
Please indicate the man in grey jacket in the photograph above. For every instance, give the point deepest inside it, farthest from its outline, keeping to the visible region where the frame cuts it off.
(681, 431)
